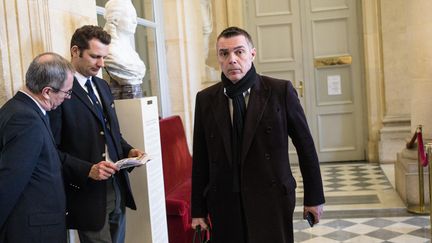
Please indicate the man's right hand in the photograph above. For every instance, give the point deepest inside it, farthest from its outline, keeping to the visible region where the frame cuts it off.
(102, 170)
(199, 221)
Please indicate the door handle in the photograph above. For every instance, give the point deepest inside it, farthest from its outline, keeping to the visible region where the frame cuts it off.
(300, 87)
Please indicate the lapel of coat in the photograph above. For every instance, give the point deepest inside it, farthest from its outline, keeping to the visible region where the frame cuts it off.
(107, 103)
(24, 98)
(45, 120)
(223, 120)
(104, 95)
(82, 95)
(258, 99)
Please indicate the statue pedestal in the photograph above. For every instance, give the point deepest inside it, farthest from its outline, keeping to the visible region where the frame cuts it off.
(139, 123)
(392, 137)
(128, 91)
(131, 91)
(407, 179)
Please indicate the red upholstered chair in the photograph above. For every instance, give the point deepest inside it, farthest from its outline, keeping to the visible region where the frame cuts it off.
(177, 170)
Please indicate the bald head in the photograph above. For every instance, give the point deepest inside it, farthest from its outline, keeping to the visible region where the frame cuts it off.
(47, 70)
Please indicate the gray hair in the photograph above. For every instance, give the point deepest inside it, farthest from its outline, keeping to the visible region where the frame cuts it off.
(47, 70)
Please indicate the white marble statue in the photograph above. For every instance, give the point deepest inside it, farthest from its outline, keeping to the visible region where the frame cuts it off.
(207, 20)
(123, 62)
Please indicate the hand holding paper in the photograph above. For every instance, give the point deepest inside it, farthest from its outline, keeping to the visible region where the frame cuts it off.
(132, 162)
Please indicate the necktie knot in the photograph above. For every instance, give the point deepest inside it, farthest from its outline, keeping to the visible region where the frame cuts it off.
(91, 93)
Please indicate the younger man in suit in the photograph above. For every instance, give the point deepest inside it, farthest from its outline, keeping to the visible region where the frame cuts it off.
(32, 197)
(87, 132)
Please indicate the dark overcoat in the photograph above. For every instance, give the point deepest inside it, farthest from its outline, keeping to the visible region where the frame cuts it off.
(32, 197)
(267, 195)
(81, 141)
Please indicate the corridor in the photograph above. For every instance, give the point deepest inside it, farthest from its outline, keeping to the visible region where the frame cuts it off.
(361, 206)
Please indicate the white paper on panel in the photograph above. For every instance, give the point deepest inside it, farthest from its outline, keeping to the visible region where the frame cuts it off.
(334, 85)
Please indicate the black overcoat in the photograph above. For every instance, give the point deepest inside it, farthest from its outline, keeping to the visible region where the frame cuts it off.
(267, 184)
(32, 197)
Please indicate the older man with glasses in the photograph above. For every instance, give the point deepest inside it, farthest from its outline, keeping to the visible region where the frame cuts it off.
(32, 197)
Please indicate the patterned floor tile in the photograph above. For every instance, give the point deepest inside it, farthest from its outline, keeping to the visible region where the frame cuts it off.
(419, 221)
(360, 229)
(408, 239)
(383, 234)
(402, 228)
(379, 222)
(360, 181)
(422, 233)
(319, 231)
(341, 235)
(319, 240)
(339, 223)
(362, 239)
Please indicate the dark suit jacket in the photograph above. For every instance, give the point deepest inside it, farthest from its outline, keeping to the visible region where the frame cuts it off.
(32, 197)
(79, 135)
(267, 195)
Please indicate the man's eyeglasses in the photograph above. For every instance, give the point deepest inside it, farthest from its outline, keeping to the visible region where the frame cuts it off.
(67, 93)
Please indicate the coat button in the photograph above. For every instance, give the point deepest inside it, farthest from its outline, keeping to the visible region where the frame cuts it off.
(268, 130)
(212, 136)
(273, 182)
(103, 155)
(102, 133)
(267, 156)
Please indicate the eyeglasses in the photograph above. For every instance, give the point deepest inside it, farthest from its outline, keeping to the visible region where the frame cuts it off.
(67, 93)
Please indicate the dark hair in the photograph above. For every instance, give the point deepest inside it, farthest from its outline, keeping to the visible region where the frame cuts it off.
(235, 31)
(83, 35)
(47, 70)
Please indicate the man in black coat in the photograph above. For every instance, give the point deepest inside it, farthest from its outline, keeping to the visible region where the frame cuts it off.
(87, 132)
(241, 176)
(32, 197)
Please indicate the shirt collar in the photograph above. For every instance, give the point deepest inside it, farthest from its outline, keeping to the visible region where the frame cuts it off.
(81, 79)
(35, 101)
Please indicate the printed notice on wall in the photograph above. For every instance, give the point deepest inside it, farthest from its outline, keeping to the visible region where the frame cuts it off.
(334, 85)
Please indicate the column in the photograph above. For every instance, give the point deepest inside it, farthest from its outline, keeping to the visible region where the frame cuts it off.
(419, 82)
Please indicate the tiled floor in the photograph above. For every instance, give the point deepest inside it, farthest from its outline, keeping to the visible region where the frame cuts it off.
(362, 206)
